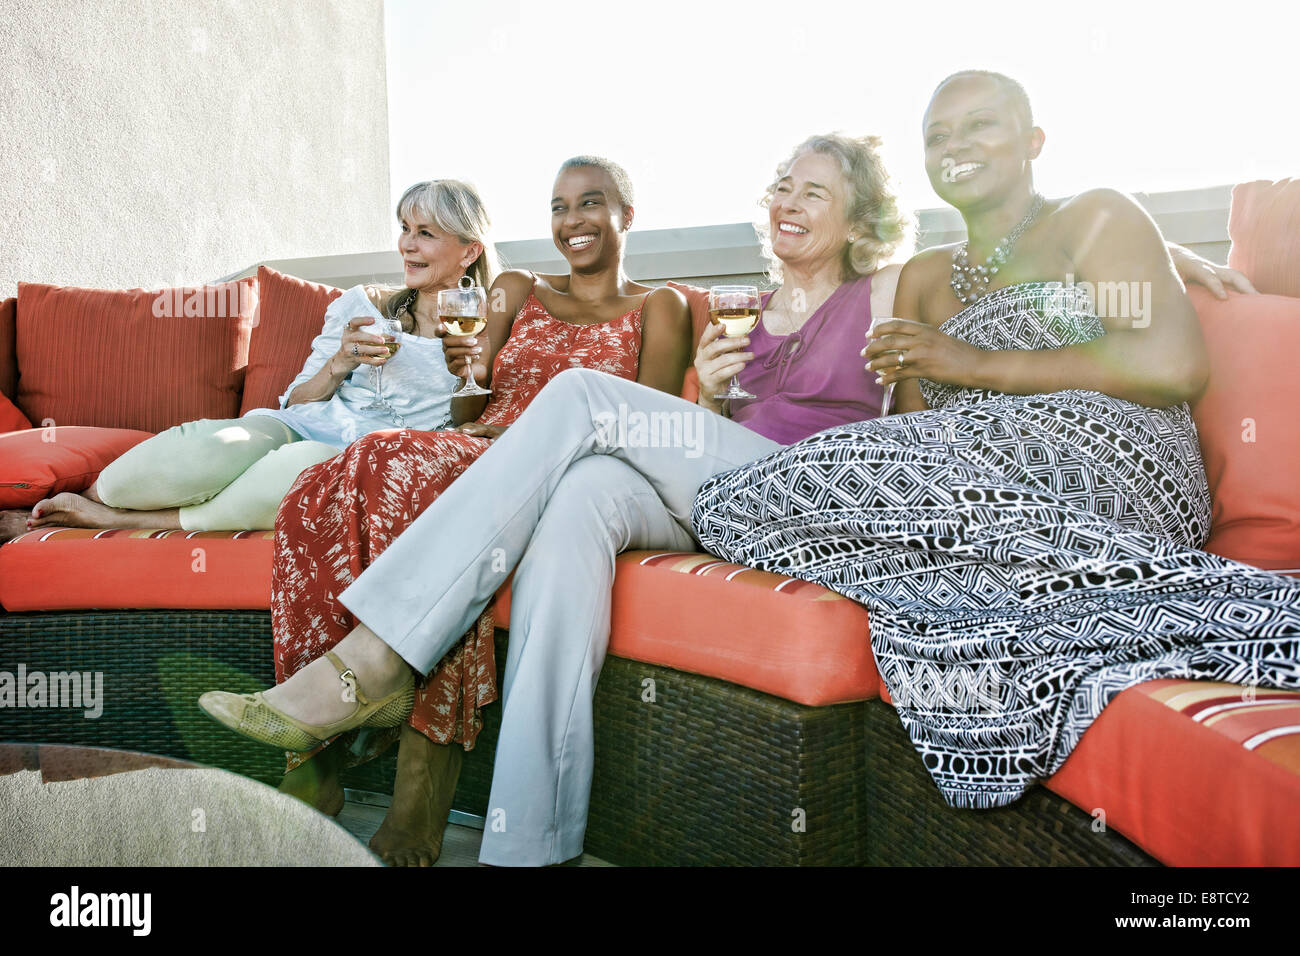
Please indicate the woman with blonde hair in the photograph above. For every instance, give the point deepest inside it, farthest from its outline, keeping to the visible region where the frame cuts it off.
(214, 475)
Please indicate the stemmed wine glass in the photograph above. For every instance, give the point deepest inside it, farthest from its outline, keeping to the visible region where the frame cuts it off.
(463, 311)
(887, 404)
(736, 309)
(389, 329)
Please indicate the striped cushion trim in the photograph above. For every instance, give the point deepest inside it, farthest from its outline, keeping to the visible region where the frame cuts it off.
(1261, 720)
(83, 534)
(1273, 734)
(706, 565)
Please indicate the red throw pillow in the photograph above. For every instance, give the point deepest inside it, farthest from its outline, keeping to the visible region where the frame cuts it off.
(291, 312)
(1264, 226)
(1246, 419)
(11, 419)
(40, 462)
(8, 357)
(135, 358)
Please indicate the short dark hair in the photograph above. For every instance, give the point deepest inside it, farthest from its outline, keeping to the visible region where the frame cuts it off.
(1019, 98)
(617, 174)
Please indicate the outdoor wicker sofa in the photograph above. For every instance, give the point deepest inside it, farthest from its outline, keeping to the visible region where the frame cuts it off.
(739, 716)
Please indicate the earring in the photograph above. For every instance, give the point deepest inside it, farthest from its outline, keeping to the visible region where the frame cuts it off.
(852, 239)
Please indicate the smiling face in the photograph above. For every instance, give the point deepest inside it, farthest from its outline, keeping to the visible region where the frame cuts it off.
(587, 221)
(978, 144)
(432, 259)
(808, 212)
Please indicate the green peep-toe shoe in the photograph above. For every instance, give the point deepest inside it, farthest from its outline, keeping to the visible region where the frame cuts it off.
(252, 716)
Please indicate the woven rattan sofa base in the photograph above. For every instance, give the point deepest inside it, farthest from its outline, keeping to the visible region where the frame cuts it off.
(689, 770)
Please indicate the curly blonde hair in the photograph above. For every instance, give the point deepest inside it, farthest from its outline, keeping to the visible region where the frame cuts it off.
(874, 212)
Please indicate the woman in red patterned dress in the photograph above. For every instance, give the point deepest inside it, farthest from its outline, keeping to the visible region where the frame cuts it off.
(340, 515)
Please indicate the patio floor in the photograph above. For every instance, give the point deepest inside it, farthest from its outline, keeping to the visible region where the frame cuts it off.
(364, 812)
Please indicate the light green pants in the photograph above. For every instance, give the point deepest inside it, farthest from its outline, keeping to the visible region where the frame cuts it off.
(223, 474)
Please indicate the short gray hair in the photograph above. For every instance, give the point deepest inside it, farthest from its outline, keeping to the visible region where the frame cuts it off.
(617, 174)
(874, 211)
(455, 208)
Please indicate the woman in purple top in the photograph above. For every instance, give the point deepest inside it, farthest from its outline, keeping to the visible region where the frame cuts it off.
(606, 465)
(806, 378)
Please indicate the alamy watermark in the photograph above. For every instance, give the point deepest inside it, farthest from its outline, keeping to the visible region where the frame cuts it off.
(633, 428)
(82, 690)
(75, 908)
(224, 301)
(1115, 300)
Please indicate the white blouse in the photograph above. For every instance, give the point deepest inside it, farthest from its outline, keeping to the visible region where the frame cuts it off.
(416, 383)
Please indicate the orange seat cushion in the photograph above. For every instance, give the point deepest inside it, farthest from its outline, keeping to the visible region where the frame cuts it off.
(690, 612)
(776, 634)
(1263, 225)
(60, 569)
(290, 314)
(1246, 422)
(132, 359)
(1198, 773)
(40, 462)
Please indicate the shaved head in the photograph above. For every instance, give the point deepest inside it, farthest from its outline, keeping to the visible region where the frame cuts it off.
(1014, 91)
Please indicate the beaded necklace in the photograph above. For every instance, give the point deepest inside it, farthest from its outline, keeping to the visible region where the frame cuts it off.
(970, 282)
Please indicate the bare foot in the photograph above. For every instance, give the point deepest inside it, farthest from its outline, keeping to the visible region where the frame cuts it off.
(411, 834)
(12, 524)
(70, 510)
(316, 783)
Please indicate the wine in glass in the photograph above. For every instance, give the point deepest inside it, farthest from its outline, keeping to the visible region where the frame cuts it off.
(463, 311)
(736, 309)
(388, 329)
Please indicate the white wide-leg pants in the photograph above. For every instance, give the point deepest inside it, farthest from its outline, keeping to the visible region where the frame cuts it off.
(595, 466)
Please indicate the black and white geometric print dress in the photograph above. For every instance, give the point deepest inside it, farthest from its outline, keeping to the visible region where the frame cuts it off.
(1024, 557)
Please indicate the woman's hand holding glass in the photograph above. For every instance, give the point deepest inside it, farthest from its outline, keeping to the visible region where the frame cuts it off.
(358, 346)
(389, 334)
(898, 349)
(735, 308)
(463, 314)
(462, 351)
(717, 359)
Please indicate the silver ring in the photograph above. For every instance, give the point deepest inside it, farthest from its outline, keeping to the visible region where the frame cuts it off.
(355, 350)
(900, 359)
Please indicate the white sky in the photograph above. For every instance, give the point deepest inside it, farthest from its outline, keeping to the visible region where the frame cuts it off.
(700, 99)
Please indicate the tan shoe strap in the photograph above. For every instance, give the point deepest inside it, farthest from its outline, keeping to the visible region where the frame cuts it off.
(348, 678)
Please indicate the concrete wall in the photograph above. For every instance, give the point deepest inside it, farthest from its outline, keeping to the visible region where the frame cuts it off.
(152, 142)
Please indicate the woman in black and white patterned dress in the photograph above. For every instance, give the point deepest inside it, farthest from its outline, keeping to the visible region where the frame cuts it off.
(1025, 538)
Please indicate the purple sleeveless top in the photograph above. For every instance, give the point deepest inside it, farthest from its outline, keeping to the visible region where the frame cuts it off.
(814, 378)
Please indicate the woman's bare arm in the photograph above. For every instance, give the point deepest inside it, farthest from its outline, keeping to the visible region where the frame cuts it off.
(1152, 352)
(665, 340)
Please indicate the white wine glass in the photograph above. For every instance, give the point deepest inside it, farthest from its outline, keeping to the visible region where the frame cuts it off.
(463, 311)
(887, 403)
(736, 309)
(389, 329)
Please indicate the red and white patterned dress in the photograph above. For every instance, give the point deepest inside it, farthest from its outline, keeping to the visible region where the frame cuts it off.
(341, 514)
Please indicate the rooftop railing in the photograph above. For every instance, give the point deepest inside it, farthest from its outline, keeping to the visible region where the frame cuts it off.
(702, 255)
